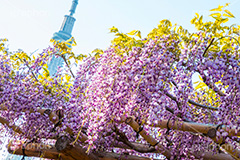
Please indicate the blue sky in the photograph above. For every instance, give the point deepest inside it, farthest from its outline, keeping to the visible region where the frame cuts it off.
(29, 24)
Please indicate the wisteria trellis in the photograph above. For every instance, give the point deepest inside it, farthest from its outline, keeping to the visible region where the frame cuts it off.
(129, 101)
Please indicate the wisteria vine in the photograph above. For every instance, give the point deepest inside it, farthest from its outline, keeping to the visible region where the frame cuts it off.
(150, 83)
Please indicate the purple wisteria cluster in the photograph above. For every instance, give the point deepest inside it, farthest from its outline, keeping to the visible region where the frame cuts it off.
(22, 95)
(150, 83)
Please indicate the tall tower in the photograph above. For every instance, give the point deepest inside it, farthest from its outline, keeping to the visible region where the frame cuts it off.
(63, 35)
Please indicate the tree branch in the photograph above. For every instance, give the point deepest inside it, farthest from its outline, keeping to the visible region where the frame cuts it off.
(211, 85)
(194, 127)
(63, 145)
(72, 153)
(123, 138)
(67, 65)
(201, 105)
(131, 122)
(229, 148)
(191, 102)
(115, 156)
(205, 51)
(208, 130)
(37, 150)
(30, 70)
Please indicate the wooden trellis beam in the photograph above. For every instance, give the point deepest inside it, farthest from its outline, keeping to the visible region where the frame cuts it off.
(68, 153)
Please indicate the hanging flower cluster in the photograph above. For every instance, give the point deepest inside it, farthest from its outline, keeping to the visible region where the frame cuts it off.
(141, 83)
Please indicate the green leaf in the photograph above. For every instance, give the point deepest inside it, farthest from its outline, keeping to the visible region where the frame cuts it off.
(200, 85)
(217, 18)
(197, 15)
(227, 4)
(45, 66)
(113, 30)
(67, 77)
(217, 9)
(224, 20)
(132, 32)
(200, 77)
(200, 19)
(229, 13)
(196, 82)
(193, 20)
(139, 34)
(97, 50)
(118, 34)
(215, 14)
(46, 73)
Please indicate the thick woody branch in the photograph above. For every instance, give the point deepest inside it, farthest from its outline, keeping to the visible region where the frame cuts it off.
(67, 151)
(208, 130)
(138, 145)
(115, 156)
(230, 149)
(227, 147)
(206, 155)
(63, 145)
(212, 156)
(71, 153)
(37, 150)
(195, 127)
(123, 138)
(153, 142)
